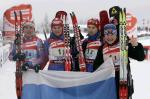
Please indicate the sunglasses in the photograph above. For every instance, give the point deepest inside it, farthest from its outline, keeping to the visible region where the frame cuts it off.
(110, 31)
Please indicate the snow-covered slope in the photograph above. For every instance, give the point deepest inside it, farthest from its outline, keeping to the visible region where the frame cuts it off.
(141, 72)
(7, 81)
(4, 52)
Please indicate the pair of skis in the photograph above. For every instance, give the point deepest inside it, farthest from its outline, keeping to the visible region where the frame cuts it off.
(20, 57)
(120, 15)
(68, 58)
(123, 92)
(81, 59)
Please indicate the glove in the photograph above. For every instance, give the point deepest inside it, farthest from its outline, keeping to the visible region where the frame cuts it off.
(15, 57)
(83, 69)
(19, 56)
(37, 68)
(25, 67)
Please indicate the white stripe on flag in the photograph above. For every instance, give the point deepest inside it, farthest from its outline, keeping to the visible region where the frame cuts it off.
(61, 79)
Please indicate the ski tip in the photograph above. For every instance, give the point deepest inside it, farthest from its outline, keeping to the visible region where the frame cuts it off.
(71, 14)
(20, 15)
(15, 13)
(124, 10)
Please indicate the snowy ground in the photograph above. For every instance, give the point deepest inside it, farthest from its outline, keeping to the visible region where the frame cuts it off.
(140, 71)
(7, 81)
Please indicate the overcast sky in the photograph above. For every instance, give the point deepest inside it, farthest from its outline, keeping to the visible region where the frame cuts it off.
(84, 9)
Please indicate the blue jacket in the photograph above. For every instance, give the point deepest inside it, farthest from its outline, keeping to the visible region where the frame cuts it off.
(34, 52)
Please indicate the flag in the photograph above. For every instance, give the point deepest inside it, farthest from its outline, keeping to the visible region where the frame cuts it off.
(70, 85)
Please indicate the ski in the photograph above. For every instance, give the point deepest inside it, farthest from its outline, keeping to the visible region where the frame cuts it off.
(114, 15)
(104, 19)
(20, 57)
(82, 65)
(68, 58)
(45, 34)
(123, 89)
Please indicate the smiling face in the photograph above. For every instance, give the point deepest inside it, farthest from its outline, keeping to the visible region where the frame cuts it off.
(110, 33)
(110, 38)
(57, 30)
(92, 29)
(28, 30)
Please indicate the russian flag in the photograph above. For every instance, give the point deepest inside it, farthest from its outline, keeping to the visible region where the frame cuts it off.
(70, 85)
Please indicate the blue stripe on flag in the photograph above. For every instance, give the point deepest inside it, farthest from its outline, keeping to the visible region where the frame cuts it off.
(99, 90)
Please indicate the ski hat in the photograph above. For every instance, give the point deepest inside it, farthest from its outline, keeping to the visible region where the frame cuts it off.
(94, 21)
(28, 23)
(110, 28)
(56, 22)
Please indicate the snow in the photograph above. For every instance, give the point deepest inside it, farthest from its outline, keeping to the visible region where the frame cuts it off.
(145, 39)
(4, 53)
(7, 81)
(141, 72)
(0, 38)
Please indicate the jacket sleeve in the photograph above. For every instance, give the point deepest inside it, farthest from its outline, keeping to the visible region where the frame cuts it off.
(12, 52)
(42, 58)
(46, 52)
(84, 44)
(136, 52)
(99, 59)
